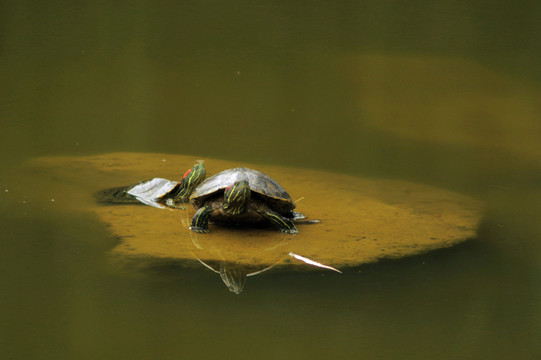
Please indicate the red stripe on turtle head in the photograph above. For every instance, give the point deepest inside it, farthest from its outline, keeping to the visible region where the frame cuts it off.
(187, 172)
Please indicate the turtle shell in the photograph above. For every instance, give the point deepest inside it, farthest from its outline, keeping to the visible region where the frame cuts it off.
(150, 192)
(259, 182)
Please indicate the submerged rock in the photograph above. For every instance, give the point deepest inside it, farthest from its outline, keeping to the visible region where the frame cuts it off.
(362, 219)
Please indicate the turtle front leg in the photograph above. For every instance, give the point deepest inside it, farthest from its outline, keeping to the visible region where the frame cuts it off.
(200, 221)
(282, 223)
(180, 205)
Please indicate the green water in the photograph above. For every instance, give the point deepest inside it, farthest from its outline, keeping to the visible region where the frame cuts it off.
(336, 86)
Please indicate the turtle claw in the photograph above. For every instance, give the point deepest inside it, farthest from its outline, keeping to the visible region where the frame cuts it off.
(176, 204)
(297, 216)
(289, 231)
(199, 230)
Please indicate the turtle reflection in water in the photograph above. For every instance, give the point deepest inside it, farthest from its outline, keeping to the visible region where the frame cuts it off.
(238, 196)
(233, 271)
(233, 275)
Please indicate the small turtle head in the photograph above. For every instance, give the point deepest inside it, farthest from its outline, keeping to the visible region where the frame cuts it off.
(235, 197)
(191, 179)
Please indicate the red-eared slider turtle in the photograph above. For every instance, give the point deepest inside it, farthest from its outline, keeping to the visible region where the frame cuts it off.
(243, 196)
(157, 191)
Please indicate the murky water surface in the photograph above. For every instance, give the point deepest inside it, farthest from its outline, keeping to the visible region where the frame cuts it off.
(444, 96)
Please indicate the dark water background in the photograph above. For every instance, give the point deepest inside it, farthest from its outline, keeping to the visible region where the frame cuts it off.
(266, 82)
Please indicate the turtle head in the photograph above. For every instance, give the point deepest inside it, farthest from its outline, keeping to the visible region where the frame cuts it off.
(191, 179)
(235, 197)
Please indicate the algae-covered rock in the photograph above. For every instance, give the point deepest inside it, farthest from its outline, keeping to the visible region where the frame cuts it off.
(362, 219)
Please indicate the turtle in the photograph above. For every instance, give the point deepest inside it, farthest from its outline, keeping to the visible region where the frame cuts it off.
(242, 196)
(156, 192)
